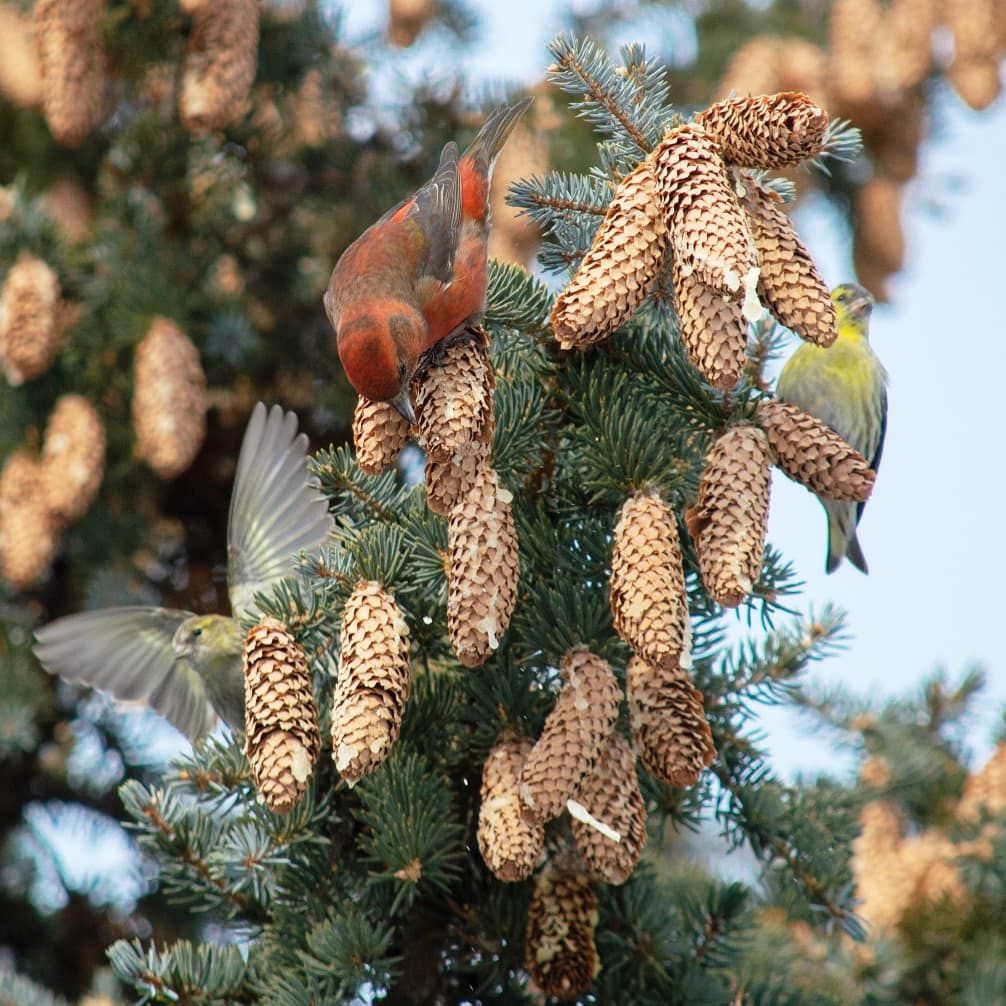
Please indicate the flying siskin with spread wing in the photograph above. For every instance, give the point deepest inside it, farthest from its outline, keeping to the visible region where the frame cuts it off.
(187, 667)
(845, 386)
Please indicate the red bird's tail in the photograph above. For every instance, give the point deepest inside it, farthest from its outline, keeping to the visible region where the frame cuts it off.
(476, 164)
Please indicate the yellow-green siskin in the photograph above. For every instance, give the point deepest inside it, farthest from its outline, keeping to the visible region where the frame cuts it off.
(188, 667)
(845, 386)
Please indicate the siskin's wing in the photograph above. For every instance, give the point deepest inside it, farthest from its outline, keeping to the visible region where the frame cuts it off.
(127, 652)
(275, 511)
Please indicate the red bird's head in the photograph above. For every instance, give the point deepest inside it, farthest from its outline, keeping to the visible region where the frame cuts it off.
(379, 350)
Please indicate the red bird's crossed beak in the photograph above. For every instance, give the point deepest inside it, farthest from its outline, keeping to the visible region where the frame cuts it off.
(403, 406)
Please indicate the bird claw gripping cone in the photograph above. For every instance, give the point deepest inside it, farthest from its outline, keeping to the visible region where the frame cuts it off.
(573, 737)
(560, 952)
(611, 796)
(648, 602)
(728, 523)
(620, 268)
(379, 433)
(29, 319)
(169, 399)
(510, 845)
(669, 725)
(374, 681)
(811, 453)
(484, 569)
(454, 400)
(766, 131)
(788, 281)
(282, 739)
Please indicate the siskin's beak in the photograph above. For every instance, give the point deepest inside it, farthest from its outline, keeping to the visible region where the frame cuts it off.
(403, 406)
(862, 306)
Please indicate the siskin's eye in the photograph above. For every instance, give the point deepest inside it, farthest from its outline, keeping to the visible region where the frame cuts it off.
(197, 632)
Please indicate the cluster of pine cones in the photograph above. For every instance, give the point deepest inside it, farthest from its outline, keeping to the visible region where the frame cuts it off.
(169, 421)
(218, 73)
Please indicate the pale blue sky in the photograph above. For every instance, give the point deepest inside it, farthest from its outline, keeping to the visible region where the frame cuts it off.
(934, 531)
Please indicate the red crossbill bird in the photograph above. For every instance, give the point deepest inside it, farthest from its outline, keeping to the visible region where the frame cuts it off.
(418, 274)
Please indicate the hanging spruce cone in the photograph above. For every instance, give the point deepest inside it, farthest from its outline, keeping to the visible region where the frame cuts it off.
(560, 953)
(727, 524)
(510, 846)
(648, 602)
(374, 681)
(169, 399)
(484, 570)
(878, 222)
(68, 35)
(789, 284)
(853, 28)
(974, 24)
(611, 795)
(985, 790)
(282, 739)
(28, 533)
(379, 433)
(712, 328)
(573, 737)
(220, 65)
(977, 82)
(73, 458)
(707, 229)
(29, 319)
(811, 453)
(767, 131)
(620, 268)
(669, 725)
(454, 401)
(406, 19)
(904, 50)
(449, 481)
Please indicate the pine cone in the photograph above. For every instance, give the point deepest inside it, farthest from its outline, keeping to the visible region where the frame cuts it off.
(853, 29)
(612, 796)
(73, 458)
(976, 34)
(727, 524)
(669, 725)
(753, 68)
(484, 571)
(712, 328)
(220, 65)
(904, 47)
(620, 268)
(573, 737)
(406, 19)
(29, 319)
(20, 69)
(811, 453)
(379, 433)
(374, 681)
(977, 82)
(707, 229)
(648, 601)
(509, 845)
(169, 399)
(895, 151)
(986, 788)
(454, 401)
(789, 284)
(767, 131)
(878, 222)
(560, 954)
(68, 35)
(449, 481)
(28, 534)
(282, 739)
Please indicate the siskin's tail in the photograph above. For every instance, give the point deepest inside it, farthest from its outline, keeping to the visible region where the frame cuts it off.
(842, 540)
